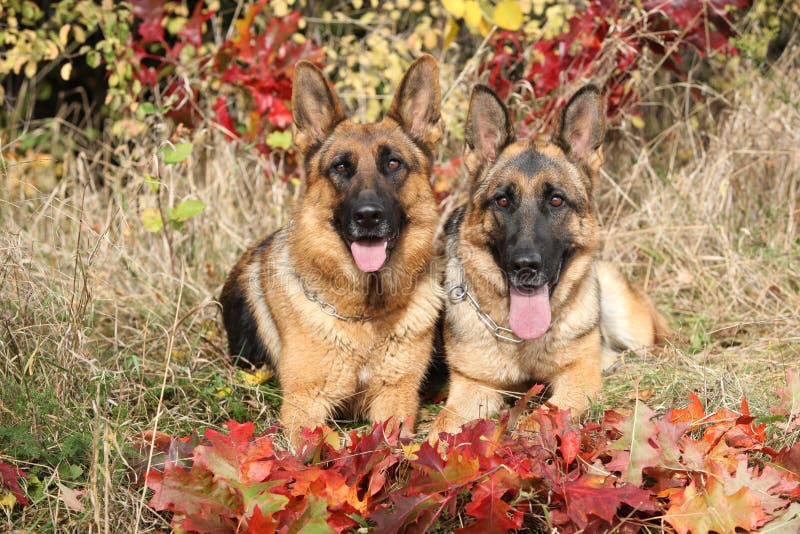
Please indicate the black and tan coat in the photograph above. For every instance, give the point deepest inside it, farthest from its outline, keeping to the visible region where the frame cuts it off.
(523, 248)
(360, 241)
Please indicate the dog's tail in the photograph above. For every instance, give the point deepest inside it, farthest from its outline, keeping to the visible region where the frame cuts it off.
(628, 319)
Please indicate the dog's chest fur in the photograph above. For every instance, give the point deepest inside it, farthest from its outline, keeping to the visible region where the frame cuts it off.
(286, 315)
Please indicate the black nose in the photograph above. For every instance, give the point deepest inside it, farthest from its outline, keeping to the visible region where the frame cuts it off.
(527, 262)
(368, 215)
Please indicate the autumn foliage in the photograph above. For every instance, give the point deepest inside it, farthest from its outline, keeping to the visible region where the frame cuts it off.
(694, 471)
(609, 42)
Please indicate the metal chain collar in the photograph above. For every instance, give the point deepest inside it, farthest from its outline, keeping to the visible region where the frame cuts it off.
(459, 292)
(329, 309)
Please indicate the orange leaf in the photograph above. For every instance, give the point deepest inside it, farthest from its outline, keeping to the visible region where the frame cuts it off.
(700, 510)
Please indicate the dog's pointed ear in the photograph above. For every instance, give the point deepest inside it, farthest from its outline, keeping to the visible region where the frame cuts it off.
(583, 126)
(488, 129)
(417, 102)
(315, 108)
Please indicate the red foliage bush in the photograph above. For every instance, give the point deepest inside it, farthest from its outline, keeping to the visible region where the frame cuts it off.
(696, 471)
(254, 65)
(609, 41)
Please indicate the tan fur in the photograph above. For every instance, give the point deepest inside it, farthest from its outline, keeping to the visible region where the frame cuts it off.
(324, 363)
(629, 321)
(568, 356)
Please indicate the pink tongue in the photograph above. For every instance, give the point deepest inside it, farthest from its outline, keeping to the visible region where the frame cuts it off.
(529, 313)
(369, 255)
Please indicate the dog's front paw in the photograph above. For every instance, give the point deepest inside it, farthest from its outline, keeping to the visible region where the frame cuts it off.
(446, 421)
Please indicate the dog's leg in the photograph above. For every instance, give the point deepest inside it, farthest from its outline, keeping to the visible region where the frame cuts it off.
(394, 390)
(468, 399)
(398, 400)
(312, 392)
(574, 385)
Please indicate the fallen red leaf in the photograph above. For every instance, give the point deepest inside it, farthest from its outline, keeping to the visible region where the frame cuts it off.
(9, 478)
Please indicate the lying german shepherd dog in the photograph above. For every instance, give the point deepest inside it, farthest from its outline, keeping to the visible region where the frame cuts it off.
(521, 253)
(343, 300)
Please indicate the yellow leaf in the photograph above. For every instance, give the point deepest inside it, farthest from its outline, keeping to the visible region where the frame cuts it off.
(257, 378)
(30, 69)
(410, 450)
(454, 7)
(431, 39)
(223, 392)
(485, 27)
(450, 32)
(66, 71)
(637, 122)
(280, 8)
(508, 15)
(63, 34)
(7, 500)
(151, 220)
(79, 33)
(472, 14)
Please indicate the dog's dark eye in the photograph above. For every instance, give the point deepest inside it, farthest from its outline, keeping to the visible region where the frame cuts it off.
(393, 164)
(502, 201)
(556, 201)
(340, 168)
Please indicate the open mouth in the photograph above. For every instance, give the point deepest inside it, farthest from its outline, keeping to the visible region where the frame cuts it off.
(529, 312)
(370, 254)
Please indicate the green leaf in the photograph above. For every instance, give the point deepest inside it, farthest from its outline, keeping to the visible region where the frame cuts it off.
(93, 59)
(315, 518)
(176, 154)
(637, 431)
(148, 108)
(257, 494)
(280, 139)
(186, 210)
(358, 519)
(151, 220)
(151, 182)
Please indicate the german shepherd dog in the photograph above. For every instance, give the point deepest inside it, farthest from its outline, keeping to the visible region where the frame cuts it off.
(526, 298)
(343, 300)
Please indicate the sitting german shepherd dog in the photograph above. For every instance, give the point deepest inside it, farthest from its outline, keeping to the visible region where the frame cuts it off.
(343, 300)
(521, 253)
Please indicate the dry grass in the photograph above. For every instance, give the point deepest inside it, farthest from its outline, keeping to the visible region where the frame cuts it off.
(107, 330)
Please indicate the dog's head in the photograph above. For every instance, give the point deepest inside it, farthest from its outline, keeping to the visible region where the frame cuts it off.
(368, 181)
(530, 202)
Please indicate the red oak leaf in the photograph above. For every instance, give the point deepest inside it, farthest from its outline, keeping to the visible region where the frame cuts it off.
(9, 476)
(693, 413)
(258, 523)
(192, 30)
(370, 457)
(789, 458)
(419, 510)
(150, 13)
(192, 492)
(597, 495)
(492, 512)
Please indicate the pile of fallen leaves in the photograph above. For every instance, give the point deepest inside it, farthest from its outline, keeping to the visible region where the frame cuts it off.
(686, 469)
